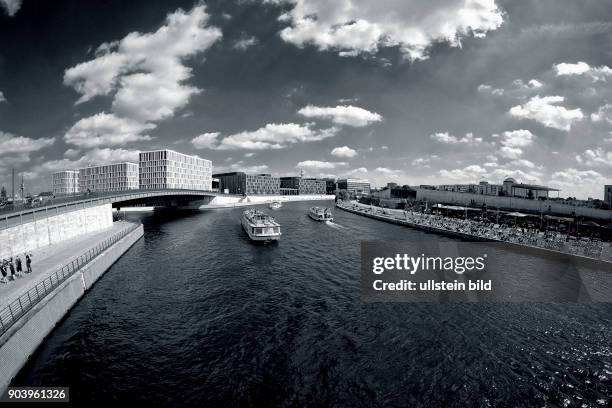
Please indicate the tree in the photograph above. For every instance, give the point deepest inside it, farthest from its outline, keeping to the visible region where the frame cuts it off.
(343, 195)
(3, 194)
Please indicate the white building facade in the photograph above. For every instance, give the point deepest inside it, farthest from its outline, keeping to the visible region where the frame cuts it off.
(167, 169)
(110, 177)
(66, 182)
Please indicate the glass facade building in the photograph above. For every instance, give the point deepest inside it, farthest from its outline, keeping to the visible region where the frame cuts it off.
(110, 177)
(250, 184)
(167, 169)
(66, 182)
(354, 186)
(304, 185)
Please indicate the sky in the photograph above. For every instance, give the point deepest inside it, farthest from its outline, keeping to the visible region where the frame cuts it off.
(412, 92)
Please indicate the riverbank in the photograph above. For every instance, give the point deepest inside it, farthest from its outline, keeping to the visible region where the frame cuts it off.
(386, 216)
(33, 310)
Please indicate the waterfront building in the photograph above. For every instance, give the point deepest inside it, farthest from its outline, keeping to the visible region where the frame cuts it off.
(304, 186)
(66, 182)
(356, 187)
(532, 191)
(608, 195)
(330, 185)
(251, 184)
(109, 177)
(167, 169)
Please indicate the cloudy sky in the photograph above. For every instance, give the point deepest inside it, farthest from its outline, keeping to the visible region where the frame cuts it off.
(431, 91)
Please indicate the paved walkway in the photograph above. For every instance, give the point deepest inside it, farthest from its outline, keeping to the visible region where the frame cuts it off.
(48, 259)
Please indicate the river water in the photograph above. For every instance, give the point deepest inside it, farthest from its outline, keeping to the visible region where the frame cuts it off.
(195, 314)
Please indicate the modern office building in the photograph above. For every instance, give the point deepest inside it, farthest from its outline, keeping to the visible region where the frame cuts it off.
(304, 186)
(330, 185)
(356, 187)
(251, 184)
(66, 182)
(167, 169)
(608, 194)
(109, 177)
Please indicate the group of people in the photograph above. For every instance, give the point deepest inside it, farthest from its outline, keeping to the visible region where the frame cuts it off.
(501, 232)
(13, 269)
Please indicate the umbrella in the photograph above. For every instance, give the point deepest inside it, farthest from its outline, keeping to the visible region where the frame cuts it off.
(589, 223)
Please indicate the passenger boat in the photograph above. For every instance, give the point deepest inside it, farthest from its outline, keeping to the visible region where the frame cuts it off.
(321, 214)
(275, 205)
(260, 226)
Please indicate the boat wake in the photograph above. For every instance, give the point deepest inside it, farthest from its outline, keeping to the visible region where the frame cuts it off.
(336, 226)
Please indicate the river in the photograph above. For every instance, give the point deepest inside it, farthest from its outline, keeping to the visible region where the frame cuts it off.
(195, 314)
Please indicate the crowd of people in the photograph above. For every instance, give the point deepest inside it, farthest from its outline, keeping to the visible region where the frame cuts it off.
(506, 232)
(13, 269)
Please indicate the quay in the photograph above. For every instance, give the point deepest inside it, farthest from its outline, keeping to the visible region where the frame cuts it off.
(70, 252)
(382, 215)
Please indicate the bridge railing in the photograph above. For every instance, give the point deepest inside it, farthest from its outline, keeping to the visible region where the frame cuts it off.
(11, 313)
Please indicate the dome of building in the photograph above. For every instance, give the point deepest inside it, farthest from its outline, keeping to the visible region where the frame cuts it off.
(510, 180)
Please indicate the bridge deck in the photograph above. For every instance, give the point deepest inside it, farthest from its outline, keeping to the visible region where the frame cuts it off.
(11, 216)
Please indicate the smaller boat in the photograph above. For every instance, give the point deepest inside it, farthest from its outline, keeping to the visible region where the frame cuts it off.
(275, 205)
(321, 214)
(260, 226)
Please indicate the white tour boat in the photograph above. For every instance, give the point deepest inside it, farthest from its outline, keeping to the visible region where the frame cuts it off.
(321, 214)
(275, 205)
(260, 226)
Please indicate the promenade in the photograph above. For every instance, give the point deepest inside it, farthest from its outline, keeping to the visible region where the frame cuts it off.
(478, 231)
(49, 259)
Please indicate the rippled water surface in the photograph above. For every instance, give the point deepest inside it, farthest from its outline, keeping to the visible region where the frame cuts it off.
(196, 314)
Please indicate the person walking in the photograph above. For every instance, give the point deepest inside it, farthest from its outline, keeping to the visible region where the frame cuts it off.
(18, 264)
(29, 262)
(3, 270)
(12, 268)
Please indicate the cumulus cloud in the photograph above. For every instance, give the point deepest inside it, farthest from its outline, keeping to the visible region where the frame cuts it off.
(582, 68)
(483, 88)
(582, 183)
(145, 73)
(2, 98)
(546, 111)
(342, 114)
(343, 151)
(11, 6)
(104, 129)
(271, 136)
(447, 138)
(10, 143)
(595, 157)
(93, 157)
(244, 43)
(319, 165)
(604, 113)
(354, 27)
(473, 172)
(205, 140)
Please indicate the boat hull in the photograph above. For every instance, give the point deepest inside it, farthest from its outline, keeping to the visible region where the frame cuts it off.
(258, 238)
(314, 217)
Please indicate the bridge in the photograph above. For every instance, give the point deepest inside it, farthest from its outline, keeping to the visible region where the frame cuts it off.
(15, 215)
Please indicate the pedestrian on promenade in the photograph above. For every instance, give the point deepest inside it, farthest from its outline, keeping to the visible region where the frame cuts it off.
(29, 263)
(3, 270)
(12, 268)
(18, 264)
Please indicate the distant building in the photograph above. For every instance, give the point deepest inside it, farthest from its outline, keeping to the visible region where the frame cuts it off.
(167, 169)
(251, 184)
(356, 187)
(532, 191)
(304, 186)
(608, 195)
(66, 182)
(330, 185)
(109, 177)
